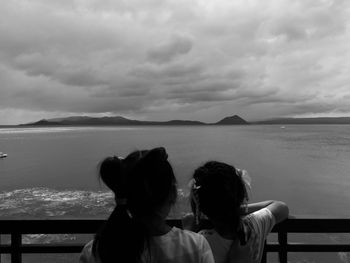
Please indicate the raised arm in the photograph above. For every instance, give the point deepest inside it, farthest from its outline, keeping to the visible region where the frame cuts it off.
(278, 209)
(251, 208)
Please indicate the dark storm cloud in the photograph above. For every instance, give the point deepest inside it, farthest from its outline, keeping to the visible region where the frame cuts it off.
(165, 52)
(164, 59)
(70, 75)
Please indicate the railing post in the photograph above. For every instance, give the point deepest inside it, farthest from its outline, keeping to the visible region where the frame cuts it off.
(16, 243)
(282, 240)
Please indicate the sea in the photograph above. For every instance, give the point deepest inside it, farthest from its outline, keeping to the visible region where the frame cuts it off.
(53, 172)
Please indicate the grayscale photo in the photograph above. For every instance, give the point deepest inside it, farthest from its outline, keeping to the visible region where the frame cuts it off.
(196, 131)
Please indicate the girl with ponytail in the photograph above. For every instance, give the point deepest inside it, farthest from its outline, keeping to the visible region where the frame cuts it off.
(145, 189)
(219, 192)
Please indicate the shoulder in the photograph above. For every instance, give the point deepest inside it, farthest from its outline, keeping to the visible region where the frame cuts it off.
(190, 239)
(261, 221)
(186, 244)
(214, 238)
(262, 215)
(201, 245)
(188, 235)
(207, 232)
(86, 254)
(88, 248)
(211, 236)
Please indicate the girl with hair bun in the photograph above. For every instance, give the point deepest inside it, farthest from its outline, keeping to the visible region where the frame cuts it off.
(145, 190)
(220, 192)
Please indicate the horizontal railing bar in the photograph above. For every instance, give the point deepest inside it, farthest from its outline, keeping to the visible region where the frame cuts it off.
(312, 225)
(58, 226)
(273, 247)
(82, 226)
(76, 248)
(44, 248)
(55, 226)
(77, 226)
(308, 247)
(318, 248)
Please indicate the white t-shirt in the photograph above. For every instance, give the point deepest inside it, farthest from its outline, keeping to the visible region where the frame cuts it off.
(175, 246)
(260, 222)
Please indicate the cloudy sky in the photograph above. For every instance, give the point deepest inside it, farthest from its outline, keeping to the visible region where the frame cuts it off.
(174, 59)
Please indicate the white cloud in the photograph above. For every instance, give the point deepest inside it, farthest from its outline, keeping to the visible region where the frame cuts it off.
(166, 59)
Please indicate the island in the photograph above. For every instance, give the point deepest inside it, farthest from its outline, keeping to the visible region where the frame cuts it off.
(122, 121)
(230, 120)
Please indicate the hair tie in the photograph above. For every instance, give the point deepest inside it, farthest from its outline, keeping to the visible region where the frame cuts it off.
(193, 184)
(195, 187)
(122, 202)
(129, 214)
(246, 179)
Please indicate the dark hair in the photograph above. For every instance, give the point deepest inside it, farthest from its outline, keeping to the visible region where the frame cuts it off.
(145, 181)
(218, 192)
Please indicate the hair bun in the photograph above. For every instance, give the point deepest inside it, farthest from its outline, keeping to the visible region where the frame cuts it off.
(111, 172)
(156, 154)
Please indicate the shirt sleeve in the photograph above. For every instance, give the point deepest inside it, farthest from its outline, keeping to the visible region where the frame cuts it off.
(261, 222)
(265, 221)
(206, 253)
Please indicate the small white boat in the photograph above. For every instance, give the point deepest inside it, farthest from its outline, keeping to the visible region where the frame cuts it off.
(3, 155)
(283, 127)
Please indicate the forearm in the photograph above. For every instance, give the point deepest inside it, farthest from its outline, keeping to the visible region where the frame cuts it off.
(251, 208)
(278, 209)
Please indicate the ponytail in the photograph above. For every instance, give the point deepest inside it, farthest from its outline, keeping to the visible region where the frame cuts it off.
(122, 237)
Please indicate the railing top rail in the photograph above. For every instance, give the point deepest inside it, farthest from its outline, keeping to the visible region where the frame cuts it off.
(56, 226)
(314, 225)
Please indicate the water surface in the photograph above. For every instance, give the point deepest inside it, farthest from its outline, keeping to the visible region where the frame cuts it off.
(52, 172)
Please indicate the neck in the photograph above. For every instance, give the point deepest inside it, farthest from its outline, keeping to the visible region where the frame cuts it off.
(157, 226)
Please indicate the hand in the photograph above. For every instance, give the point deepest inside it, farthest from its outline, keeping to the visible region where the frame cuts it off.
(188, 222)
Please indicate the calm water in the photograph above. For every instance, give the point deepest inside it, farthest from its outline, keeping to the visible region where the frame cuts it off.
(52, 172)
(306, 166)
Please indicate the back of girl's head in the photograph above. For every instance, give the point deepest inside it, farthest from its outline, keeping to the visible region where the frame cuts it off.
(144, 181)
(151, 183)
(218, 192)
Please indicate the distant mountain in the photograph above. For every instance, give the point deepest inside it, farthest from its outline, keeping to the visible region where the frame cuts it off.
(182, 122)
(233, 120)
(45, 123)
(105, 121)
(121, 121)
(320, 120)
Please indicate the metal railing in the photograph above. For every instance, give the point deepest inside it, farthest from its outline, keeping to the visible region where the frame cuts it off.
(310, 225)
(17, 228)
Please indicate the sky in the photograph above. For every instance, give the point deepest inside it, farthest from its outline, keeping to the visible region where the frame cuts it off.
(174, 59)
